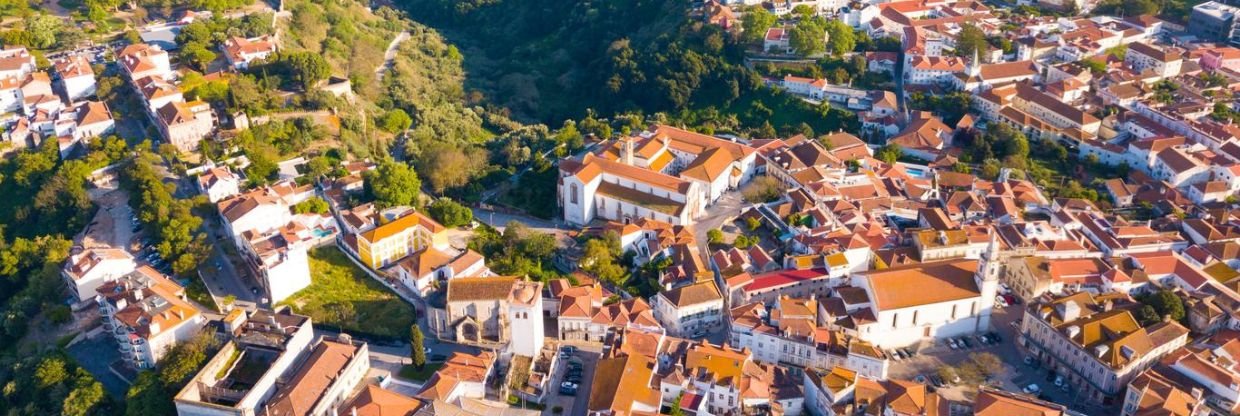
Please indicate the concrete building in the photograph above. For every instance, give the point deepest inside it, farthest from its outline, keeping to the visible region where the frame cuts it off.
(1214, 22)
(1096, 341)
(86, 271)
(147, 314)
(263, 346)
(690, 310)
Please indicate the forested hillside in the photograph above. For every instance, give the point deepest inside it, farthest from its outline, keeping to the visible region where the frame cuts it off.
(553, 60)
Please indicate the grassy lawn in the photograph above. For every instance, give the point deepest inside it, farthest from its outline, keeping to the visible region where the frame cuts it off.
(409, 372)
(342, 295)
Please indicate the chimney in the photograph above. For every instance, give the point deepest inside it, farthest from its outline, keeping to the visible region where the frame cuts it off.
(1108, 305)
(1101, 350)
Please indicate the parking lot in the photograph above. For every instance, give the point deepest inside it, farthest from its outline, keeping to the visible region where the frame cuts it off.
(578, 403)
(930, 356)
(1015, 375)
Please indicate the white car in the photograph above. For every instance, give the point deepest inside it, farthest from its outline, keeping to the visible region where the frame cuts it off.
(1032, 389)
(1058, 381)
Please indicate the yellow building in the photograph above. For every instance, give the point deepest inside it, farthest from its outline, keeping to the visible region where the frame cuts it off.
(392, 241)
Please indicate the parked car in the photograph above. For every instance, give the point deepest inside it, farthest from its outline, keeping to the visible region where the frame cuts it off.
(1059, 381)
(1029, 361)
(908, 352)
(965, 342)
(994, 336)
(952, 343)
(920, 379)
(1032, 389)
(1000, 301)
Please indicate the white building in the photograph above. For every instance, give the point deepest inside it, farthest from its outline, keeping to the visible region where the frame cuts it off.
(142, 60)
(86, 271)
(930, 300)
(690, 310)
(147, 315)
(16, 62)
(667, 174)
(1165, 62)
(325, 380)
(794, 332)
(77, 79)
(218, 183)
(240, 380)
(240, 52)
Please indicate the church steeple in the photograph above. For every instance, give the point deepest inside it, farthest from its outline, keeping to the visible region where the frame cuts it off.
(988, 264)
(975, 66)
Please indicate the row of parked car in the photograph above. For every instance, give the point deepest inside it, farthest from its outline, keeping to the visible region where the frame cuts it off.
(974, 341)
(572, 376)
(900, 354)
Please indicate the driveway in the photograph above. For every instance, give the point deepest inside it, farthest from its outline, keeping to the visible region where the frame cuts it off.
(577, 405)
(221, 273)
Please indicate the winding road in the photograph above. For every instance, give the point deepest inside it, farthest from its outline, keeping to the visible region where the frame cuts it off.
(390, 55)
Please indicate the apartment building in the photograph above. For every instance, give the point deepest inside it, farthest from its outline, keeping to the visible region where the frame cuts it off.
(87, 270)
(1096, 341)
(324, 381)
(147, 314)
(797, 332)
(389, 242)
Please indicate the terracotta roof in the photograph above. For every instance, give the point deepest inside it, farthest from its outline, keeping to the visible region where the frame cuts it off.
(377, 401)
(480, 288)
(399, 225)
(923, 284)
(316, 375)
(697, 293)
(91, 112)
(994, 402)
(619, 382)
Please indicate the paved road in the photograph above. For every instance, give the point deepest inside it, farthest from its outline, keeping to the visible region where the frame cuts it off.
(220, 272)
(499, 220)
(390, 55)
(717, 216)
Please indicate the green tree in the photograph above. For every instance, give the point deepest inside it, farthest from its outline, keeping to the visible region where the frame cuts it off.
(307, 68)
(312, 205)
(84, 398)
(395, 121)
(804, 11)
(392, 184)
(52, 371)
(714, 236)
(842, 37)
(807, 38)
(43, 30)
(970, 40)
(198, 55)
(450, 213)
(756, 21)
(417, 344)
(599, 258)
(889, 153)
(1165, 303)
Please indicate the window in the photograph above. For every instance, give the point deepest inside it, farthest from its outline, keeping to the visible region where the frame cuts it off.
(895, 320)
(573, 193)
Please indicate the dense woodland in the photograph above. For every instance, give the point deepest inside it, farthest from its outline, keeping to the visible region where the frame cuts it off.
(562, 58)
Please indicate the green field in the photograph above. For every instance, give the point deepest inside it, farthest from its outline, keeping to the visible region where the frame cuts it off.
(342, 295)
